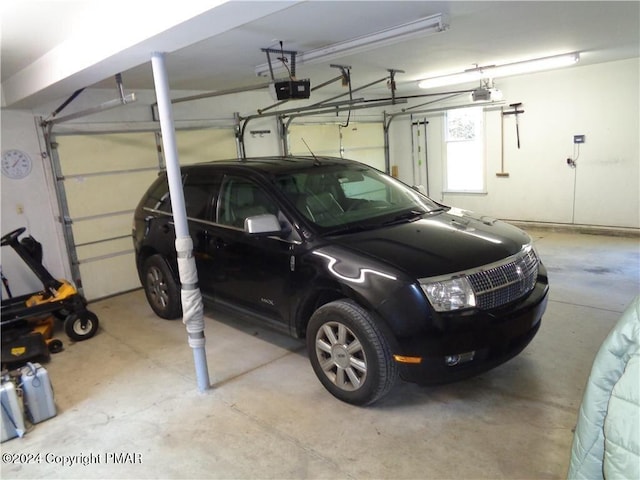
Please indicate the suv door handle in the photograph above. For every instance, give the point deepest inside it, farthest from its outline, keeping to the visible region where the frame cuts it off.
(166, 228)
(220, 243)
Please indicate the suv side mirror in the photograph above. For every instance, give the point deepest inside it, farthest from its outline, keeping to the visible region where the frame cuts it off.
(265, 224)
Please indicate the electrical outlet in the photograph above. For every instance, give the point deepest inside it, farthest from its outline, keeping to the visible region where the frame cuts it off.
(19, 209)
(578, 139)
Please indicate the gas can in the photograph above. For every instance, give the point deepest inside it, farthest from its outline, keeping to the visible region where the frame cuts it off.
(37, 392)
(11, 410)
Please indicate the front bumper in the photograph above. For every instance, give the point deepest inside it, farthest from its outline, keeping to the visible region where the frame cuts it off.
(493, 337)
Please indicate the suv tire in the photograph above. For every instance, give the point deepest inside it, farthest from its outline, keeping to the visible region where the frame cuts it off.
(349, 353)
(162, 291)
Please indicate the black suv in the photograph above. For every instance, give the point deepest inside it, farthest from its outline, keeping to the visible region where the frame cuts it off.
(380, 280)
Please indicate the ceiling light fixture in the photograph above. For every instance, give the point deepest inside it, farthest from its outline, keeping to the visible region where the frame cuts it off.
(389, 36)
(496, 71)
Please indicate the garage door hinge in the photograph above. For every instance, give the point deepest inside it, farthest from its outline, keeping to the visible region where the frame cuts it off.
(65, 220)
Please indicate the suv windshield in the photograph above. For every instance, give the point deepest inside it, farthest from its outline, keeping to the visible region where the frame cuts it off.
(342, 196)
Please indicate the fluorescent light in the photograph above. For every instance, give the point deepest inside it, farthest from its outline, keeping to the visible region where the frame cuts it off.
(389, 36)
(497, 71)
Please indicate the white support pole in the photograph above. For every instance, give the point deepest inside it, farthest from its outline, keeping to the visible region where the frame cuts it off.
(192, 308)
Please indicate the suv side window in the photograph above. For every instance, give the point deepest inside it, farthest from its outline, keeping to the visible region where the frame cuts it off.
(158, 198)
(199, 193)
(241, 198)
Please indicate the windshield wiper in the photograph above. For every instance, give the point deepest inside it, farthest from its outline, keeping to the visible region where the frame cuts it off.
(406, 217)
(437, 210)
(354, 228)
(410, 216)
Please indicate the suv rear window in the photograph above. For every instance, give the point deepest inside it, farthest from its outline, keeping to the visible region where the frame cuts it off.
(158, 196)
(199, 193)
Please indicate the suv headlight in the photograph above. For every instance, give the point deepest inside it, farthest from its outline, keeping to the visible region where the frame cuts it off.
(449, 294)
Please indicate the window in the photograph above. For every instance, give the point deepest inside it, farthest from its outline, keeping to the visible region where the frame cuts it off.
(158, 198)
(365, 187)
(240, 199)
(464, 169)
(350, 196)
(198, 191)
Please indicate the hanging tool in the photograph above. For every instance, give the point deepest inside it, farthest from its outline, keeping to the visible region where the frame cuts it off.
(502, 173)
(515, 112)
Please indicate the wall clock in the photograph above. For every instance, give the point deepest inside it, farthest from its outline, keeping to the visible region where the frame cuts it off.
(16, 164)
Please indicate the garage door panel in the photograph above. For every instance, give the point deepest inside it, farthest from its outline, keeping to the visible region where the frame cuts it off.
(97, 195)
(105, 175)
(104, 249)
(360, 135)
(199, 146)
(96, 229)
(363, 142)
(109, 276)
(371, 156)
(82, 154)
(321, 139)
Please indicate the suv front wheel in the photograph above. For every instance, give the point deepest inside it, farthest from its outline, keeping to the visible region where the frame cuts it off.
(162, 291)
(349, 354)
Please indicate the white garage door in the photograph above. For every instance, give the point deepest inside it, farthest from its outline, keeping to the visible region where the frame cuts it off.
(104, 176)
(363, 142)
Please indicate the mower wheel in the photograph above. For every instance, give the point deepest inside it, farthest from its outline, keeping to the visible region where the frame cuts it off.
(81, 327)
(55, 346)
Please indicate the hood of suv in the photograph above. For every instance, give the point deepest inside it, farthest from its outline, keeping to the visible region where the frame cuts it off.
(438, 245)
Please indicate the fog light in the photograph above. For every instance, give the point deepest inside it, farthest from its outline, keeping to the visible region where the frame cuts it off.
(453, 360)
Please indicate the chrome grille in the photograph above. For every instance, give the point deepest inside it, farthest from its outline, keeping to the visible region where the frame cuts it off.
(501, 284)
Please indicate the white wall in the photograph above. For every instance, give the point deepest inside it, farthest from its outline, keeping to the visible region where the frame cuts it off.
(29, 203)
(599, 101)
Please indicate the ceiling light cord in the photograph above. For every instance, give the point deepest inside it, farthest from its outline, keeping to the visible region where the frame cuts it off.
(347, 75)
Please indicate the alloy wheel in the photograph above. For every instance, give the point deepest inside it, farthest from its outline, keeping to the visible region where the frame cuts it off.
(157, 287)
(341, 356)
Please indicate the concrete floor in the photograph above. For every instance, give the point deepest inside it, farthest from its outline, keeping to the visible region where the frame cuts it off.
(132, 390)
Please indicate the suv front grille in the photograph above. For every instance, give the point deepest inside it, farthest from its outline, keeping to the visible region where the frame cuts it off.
(502, 284)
